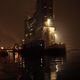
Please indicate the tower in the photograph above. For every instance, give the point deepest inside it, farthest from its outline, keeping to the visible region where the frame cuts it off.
(41, 25)
(38, 28)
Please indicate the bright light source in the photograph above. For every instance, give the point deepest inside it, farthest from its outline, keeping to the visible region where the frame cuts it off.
(2, 47)
(53, 75)
(49, 34)
(55, 35)
(23, 40)
(51, 29)
(20, 47)
(31, 29)
(30, 34)
(48, 22)
(26, 35)
(57, 69)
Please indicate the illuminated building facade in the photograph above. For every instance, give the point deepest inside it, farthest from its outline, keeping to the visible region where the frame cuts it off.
(43, 57)
(41, 25)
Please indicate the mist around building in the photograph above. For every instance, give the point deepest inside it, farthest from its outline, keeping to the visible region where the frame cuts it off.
(40, 56)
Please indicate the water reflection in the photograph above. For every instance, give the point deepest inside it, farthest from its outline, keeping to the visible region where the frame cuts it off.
(56, 66)
(47, 66)
(53, 68)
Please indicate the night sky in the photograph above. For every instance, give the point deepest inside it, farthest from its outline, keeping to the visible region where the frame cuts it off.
(12, 13)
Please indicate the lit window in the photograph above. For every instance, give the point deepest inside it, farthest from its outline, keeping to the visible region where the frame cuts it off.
(30, 34)
(48, 22)
(31, 29)
(23, 40)
(26, 35)
(41, 60)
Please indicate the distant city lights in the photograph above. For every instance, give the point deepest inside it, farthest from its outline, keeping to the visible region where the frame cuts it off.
(2, 47)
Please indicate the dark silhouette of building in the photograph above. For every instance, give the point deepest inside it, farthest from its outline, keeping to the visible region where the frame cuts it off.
(35, 26)
(42, 56)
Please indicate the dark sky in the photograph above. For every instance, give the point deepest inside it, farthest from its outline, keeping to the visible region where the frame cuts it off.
(12, 13)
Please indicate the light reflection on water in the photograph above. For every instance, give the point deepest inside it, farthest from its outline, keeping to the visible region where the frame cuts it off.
(72, 66)
(71, 69)
(55, 65)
